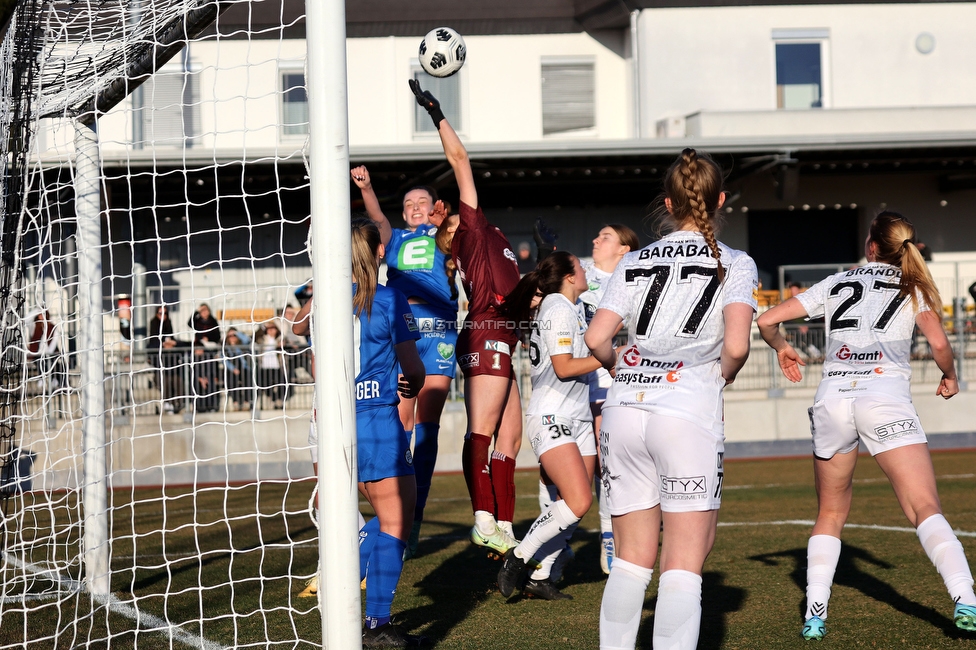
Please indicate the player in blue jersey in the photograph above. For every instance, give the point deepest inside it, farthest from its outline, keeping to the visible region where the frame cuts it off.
(417, 268)
(385, 332)
(870, 313)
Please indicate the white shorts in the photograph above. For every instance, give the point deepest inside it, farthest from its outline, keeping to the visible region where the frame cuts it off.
(547, 432)
(650, 459)
(836, 424)
(599, 383)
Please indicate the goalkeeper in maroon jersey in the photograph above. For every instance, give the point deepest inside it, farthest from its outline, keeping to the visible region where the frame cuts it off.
(489, 271)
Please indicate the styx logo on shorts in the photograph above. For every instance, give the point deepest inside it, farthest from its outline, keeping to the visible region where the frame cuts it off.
(499, 346)
(631, 356)
(845, 354)
(548, 419)
(469, 360)
(411, 322)
(683, 485)
(896, 429)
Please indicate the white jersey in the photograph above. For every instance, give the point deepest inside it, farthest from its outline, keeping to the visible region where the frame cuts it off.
(560, 329)
(672, 302)
(869, 332)
(596, 280)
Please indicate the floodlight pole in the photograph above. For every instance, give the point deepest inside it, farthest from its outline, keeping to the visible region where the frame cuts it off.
(91, 361)
(339, 598)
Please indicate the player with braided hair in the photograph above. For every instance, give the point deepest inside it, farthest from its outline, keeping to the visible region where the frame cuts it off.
(870, 312)
(688, 302)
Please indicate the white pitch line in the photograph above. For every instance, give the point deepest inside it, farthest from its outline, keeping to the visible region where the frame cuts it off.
(880, 479)
(157, 624)
(809, 522)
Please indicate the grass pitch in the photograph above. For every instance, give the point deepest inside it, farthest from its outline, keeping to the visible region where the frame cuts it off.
(236, 561)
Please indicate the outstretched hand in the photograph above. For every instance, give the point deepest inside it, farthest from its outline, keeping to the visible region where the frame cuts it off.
(544, 236)
(427, 101)
(438, 214)
(790, 362)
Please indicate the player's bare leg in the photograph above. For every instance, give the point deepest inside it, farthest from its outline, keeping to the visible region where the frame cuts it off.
(834, 482)
(636, 534)
(493, 408)
(912, 476)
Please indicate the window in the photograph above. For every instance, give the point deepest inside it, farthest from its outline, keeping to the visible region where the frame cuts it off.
(799, 67)
(568, 97)
(447, 90)
(163, 109)
(294, 103)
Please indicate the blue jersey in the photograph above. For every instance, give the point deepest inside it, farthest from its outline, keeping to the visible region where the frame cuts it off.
(390, 323)
(416, 268)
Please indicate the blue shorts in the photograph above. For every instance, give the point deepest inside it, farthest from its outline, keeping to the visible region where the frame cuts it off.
(438, 340)
(383, 448)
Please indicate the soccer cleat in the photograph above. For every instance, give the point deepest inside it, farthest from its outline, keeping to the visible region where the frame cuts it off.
(391, 635)
(965, 617)
(607, 552)
(543, 589)
(814, 629)
(411, 550)
(565, 557)
(497, 543)
(513, 573)
(311, 588)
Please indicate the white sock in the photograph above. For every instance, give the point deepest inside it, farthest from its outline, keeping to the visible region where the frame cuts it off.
(677, 618)
(507, 527)
(550, 551)
(485, 521)
(623, 601)
(362, 519)
(557, 519)
(823, 551)
(547, 495)
(943, 548)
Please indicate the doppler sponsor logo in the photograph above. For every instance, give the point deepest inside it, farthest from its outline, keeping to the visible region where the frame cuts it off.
(845, 354)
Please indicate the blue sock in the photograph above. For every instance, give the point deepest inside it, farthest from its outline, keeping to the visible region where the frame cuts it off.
(424, 458)
(385, 565)
(367, 539)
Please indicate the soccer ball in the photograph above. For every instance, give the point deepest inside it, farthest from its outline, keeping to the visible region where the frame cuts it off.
(442, 52)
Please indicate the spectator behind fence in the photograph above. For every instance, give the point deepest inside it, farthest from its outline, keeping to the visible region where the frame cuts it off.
(43, 349)
(271, 375)
(297, 360)
(303, 293)
(237, 369)
(165, 354)
(206, 367)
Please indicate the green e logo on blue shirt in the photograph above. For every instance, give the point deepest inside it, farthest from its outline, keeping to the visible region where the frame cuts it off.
(416, 253)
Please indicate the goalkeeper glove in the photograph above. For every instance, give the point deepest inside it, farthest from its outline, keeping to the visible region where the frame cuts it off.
(545, 239)
(428, 102)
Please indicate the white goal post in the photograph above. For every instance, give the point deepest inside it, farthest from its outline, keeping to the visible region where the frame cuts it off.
(165, 161)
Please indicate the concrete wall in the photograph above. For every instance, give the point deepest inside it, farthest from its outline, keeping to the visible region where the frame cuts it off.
(723, 58)
(154, 450)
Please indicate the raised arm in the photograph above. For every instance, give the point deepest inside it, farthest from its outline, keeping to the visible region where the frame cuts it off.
(360, 176)
(303, 320)
(457, 155)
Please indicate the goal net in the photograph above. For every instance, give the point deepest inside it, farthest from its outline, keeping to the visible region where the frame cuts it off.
(155, 476)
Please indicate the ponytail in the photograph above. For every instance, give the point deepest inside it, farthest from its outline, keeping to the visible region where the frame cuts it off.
(896, 242)
(693, 184)
(545, 279)
(365, 244)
